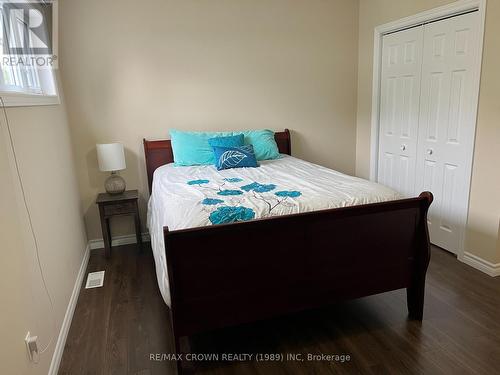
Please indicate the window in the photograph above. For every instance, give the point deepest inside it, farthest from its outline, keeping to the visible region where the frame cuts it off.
(25, 79)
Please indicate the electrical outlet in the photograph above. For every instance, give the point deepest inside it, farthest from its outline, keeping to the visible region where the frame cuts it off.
(31, 346)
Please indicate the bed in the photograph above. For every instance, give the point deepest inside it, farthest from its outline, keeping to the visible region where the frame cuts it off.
(308, 236)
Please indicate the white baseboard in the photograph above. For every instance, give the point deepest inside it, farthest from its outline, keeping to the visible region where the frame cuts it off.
(66, 324)
(480, 264)
(117, 241)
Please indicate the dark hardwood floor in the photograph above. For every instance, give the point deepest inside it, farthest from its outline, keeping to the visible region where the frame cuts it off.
(118, 327)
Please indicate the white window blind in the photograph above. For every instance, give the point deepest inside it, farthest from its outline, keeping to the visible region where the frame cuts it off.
(21, 83)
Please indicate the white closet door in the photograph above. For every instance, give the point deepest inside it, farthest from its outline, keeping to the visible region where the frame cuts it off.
(399, 108)
(447, 125)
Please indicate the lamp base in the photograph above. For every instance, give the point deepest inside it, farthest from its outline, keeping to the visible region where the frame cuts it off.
(115, 184)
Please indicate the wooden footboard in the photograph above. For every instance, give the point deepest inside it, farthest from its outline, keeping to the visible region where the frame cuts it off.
(231, 274)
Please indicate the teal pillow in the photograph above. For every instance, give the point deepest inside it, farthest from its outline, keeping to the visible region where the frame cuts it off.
(229, 141)
(192, 148)
(263, 143)
(235, 157)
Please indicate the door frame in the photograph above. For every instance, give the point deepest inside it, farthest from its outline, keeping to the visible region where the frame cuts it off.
(446, 11)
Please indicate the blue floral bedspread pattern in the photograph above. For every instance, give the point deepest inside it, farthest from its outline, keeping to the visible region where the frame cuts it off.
(229, 210)
(196, 196)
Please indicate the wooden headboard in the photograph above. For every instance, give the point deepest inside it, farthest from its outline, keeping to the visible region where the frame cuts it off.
(159, 153)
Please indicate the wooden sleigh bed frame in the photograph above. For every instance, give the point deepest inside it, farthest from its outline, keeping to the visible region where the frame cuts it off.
(230, 274)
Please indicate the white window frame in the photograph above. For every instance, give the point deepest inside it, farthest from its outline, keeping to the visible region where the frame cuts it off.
(15, 96)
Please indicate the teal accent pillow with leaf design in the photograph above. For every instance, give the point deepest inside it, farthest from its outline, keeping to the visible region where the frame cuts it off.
(234, 157)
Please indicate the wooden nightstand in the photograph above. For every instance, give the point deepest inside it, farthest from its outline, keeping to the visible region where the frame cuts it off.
(116, 205)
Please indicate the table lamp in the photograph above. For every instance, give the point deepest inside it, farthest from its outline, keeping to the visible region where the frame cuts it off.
(111, 158)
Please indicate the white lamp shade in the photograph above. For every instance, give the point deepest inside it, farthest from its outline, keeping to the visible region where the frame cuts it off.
(111, 157)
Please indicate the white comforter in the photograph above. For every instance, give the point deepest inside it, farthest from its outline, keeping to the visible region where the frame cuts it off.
(186, 197)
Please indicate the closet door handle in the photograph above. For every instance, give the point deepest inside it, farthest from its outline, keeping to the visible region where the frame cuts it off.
(430, 151)
(403, 147)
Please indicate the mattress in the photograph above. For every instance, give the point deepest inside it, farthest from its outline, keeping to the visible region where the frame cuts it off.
(187, 197)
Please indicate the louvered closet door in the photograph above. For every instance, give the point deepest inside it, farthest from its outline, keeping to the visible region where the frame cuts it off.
(399, 107)
(447, 124)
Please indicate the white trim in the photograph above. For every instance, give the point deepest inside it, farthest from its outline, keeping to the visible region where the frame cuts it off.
(375, 117)
(68, 317)
(118, 241)
(455, 8)
(492, 269)
(26, 100)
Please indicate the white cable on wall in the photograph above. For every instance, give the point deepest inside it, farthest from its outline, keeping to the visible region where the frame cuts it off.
(30, 221)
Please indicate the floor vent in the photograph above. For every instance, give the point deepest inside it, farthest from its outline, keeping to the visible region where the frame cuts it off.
(95, 280)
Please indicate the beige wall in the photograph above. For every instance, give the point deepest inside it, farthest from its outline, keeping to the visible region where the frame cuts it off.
(41, 136)
(484, 211)
(137, 69)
